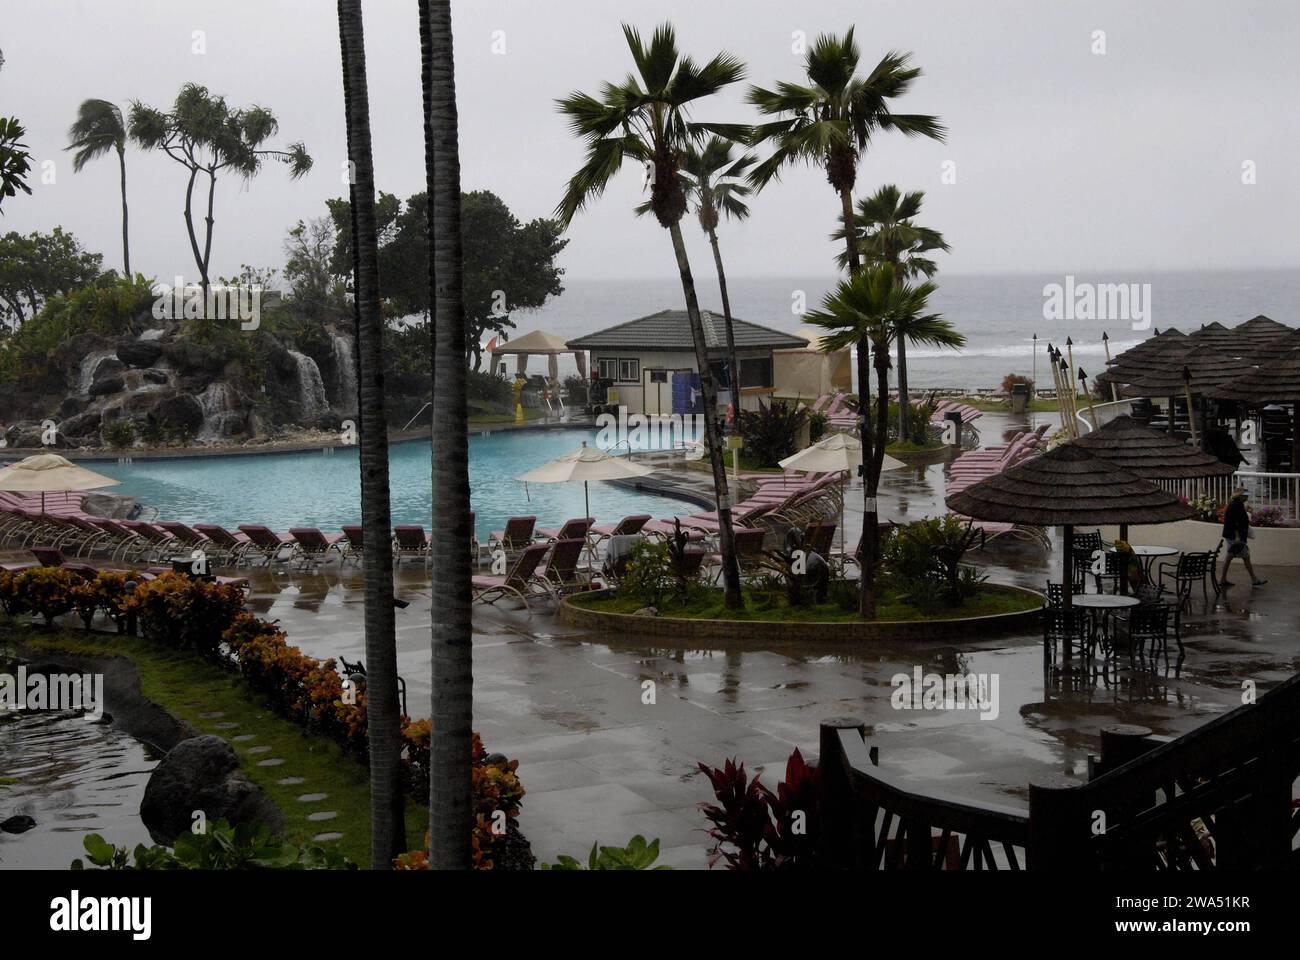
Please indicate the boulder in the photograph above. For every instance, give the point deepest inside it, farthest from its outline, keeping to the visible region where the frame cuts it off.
(82, 425)
(71, 406)
(182, 411)
(191, 357)
(154, 375)
(106, 384)
(30, 435)
(202, 773)
(19, 823)
(112, 506)
(139, 353)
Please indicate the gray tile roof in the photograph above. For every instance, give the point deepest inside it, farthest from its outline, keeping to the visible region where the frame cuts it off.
(671, 330)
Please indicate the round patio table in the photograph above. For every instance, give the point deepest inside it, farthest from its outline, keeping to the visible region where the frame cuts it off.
(1147, 554)
(1101, 608)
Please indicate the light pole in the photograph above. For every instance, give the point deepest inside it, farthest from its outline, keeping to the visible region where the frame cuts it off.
(1033, 380)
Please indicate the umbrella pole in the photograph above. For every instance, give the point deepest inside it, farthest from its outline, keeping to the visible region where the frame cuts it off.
(586, 499)
(1067, 584)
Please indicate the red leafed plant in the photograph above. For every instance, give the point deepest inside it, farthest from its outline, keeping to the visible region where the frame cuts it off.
(756, 829)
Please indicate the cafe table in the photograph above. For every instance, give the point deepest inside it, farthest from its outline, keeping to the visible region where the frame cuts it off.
(1101, 609)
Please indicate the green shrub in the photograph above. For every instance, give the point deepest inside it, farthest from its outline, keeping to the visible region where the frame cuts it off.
(771, 432)
(119, 433)
(180, 611)
(923, 562)
(637, 855)
(249, 846)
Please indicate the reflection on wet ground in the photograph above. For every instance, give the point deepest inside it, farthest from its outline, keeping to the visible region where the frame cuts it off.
(600, 764)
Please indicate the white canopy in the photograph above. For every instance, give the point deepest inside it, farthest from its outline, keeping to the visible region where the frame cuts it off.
(839, 451)
(585, 464)
(543, 342)
(50, 473)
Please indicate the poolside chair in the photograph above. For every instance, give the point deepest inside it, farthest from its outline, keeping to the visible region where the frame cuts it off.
(576, 528)
(475, 548)
(819, 538)
(352, 544)
(189, 537)
(236, 548)
(1189, 569)
(626, 527)
(561, 576)
(266, 543)
(53, 557)
(410, 542)
(127, 544)
(313, 546)
(157, 542)
(517, 535)
(518, 581)
(749, 552)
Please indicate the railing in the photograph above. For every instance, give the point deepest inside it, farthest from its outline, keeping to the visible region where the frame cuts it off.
(1219, 797)
(1278, 490)
(1106, 412)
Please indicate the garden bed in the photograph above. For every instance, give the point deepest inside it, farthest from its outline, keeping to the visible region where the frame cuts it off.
(995, 609)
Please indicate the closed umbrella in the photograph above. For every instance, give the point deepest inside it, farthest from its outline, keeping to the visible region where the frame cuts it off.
(835, 453)
(585, 464)
(50, 473)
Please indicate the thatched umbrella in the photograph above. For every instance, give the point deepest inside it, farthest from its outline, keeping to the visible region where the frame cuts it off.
(1132, 363)
(1068, 487)
(1197, 369)
(1276, 381)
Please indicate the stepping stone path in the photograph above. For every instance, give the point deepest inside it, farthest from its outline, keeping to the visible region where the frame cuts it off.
(244, 737)
(325, 837)
(322, 815)
(259, 749)
(291, 781)
(273, 762)
(312, 797)
(228, 725)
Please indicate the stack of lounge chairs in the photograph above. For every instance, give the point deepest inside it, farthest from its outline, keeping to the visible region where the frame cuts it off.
(965, 410)
(977, 465)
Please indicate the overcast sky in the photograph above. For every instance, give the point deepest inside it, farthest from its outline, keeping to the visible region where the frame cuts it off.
(1065, 160)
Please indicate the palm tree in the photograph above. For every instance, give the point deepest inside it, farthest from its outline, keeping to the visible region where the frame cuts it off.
(383, 713)
(871, 306)
(887, 233)
(451, 815)
(644, 119)
(98, 129)
(713, 184)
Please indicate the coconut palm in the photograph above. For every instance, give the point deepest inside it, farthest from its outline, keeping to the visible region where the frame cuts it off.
(98, 129)
(871, 306)
(714, 186)
(383, 713)
(451, 816)
(644, 119)
(887, 233)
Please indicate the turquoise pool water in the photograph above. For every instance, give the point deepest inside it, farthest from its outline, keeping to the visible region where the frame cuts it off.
(316, 489)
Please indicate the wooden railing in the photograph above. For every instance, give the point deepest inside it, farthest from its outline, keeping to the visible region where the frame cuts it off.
(1219, 797)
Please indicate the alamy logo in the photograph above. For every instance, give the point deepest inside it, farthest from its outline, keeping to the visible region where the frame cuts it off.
(1098, 301)
(638, 431)
(75, 913)
(56, 691)
(951, 691)
(218, 302)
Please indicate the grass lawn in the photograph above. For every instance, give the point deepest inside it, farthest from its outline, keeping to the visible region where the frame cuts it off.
(482, 415)
(771, 606)
(907, 446)
(186, 686)
(1040, 405)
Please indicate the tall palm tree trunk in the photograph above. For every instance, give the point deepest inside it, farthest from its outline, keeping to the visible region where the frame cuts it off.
(904, 413)
(126, 244)
(387, 827)
(451, 817)
(726, 536)
(850, 230)
(871, 485)
(733, 366)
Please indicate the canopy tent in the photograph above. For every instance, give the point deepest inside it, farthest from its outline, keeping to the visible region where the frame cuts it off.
(1068, 487)
(585, 464)
(541, 342)
(808, 372)
(50, 473)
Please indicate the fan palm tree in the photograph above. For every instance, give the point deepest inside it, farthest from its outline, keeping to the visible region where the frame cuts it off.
(383, 713)
(872, 306)
(887, 233)
(644, 119)
(451, 815)
(714, 186)
(98, 129)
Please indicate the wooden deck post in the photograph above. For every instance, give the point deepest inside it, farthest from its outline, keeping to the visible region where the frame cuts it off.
(1058, 825)
(839, 840)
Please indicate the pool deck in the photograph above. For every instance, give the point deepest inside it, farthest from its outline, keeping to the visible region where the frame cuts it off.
(599, 764)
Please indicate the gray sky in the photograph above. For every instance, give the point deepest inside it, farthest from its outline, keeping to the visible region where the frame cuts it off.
(1066, 161)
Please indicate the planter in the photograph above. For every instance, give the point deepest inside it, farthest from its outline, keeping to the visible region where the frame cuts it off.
(1270, 546)
(680, 628)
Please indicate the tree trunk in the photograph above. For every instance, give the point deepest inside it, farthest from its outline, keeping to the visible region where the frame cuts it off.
(850, 231)
(383, 715)
(713, 433)
(870, 532)
(126, 245)
(903, 412)
(733, 366)
(207, 235)
(451, 814)
(189, 226)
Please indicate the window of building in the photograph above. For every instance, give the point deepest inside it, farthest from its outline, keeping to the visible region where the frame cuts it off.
(629, 371)
(607, 369)
(756, 372)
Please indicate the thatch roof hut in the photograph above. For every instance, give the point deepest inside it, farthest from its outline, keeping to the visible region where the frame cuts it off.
(1133, 362)
(1149, 454)
(1197, 369)
(1068, 487)
(1273, 381)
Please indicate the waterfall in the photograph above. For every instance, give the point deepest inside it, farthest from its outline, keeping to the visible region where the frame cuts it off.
(345, 372)
(88, 367)
(217, 404)
(311, 388)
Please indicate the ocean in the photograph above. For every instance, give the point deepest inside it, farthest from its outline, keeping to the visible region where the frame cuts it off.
(999, 314)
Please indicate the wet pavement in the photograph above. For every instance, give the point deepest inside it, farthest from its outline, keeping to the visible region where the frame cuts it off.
(601, 764)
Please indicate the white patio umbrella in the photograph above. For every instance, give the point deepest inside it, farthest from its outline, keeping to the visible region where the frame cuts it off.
(50, 473)
(585, 464)
(839, 451)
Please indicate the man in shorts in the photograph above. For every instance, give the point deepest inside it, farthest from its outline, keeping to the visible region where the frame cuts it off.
(1236, 531)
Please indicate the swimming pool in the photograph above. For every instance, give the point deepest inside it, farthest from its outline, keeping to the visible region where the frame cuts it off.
(317, 489)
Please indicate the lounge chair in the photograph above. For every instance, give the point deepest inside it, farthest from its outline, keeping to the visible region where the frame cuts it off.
(626, 527)
(517, 535)
(749, 552)
(410, 542)
(560, 575)
(235, 547)
(266, 542)
(576, 528)
(352, 544)
(53, 557)
(518, 581)
(127, 544)
(312, 545)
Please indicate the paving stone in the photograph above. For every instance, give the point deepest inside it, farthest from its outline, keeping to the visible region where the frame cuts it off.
(291, 781)
(312, 797)
(273, 762)
(325, 837)
(244, 737)
(320, 815)
(259, 749)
